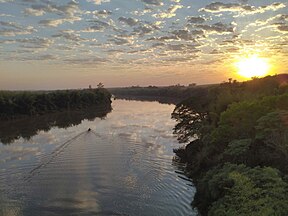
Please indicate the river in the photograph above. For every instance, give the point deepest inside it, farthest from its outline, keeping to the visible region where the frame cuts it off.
(123, 166)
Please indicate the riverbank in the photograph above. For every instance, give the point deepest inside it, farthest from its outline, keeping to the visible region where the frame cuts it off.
(32, 103)
(237, 135)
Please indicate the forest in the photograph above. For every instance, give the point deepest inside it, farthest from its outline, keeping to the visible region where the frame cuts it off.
(166, 94)
(236, 146)
(15, 104)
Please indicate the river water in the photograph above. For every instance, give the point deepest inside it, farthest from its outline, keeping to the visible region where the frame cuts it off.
(123, 166)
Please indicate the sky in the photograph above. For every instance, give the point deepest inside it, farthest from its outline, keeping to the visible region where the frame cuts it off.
(47, 44)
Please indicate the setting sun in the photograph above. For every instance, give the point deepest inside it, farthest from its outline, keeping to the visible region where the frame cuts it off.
(252, 66)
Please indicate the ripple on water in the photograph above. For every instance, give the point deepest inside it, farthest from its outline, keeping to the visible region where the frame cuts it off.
(99, 174)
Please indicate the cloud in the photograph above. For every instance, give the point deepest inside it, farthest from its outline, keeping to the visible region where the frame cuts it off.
(13, 32)
(145, 28)
(7, 41)
(217, 7)
(171, 12)
(181, 59)
(97, 26)
(166, 38)
(158, 45)
(115, 51)
(283, 17)
(186, 48)
(13, 29)
(153, 2)
(193, 19)
(217, 28)
(242, 9)
(129, 21)
(4, 1)
(69, 35)
(120, 41)
(52, 23)
(10, 24)
(282, 23)
(35, 43)
(64, 47)
(283, 28)
(57, 22)
(198, 33)
(152, 31)
(86, 61)
(67, 10)
(183, 34)
(273, 7)
(215, 52)
(33, 12)
(278, 23)
(141, 12)
(98, 2)
(45, 57)
(6, 15)
(233, 50)
(31, 1)
(100, 13)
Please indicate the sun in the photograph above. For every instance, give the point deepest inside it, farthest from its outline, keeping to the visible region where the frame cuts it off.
(252, 66)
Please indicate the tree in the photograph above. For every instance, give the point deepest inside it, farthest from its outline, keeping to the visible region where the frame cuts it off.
(273, 130)
(240, 190)
(100, 85)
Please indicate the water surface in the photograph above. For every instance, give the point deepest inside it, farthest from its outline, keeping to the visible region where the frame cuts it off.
(123, 166)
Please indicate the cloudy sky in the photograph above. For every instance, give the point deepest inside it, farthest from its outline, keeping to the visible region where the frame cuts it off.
(47, 44)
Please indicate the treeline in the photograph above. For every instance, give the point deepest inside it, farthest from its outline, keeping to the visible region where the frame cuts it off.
(237, 154)
(15, 104)
(170, 94)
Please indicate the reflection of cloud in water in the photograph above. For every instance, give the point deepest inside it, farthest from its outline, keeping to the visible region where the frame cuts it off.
(130, 181)
(7, 210)
(44, 138)
(153, 147)
(82, 201)
(18, 153)
(167, 136)
(125, 135)
(119, 124)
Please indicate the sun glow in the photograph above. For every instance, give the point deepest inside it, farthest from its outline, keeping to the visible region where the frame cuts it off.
(252, 66)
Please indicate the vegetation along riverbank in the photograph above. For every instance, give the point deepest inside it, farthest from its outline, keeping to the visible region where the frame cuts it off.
(237, 151)
(15, 104)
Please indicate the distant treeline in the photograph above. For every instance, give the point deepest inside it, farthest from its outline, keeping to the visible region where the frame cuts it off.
(170, 94)
(22, 103)
(237, 154)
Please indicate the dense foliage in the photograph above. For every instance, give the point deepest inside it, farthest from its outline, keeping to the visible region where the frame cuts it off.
(239, 158)
(240, 190)
(15, 104)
